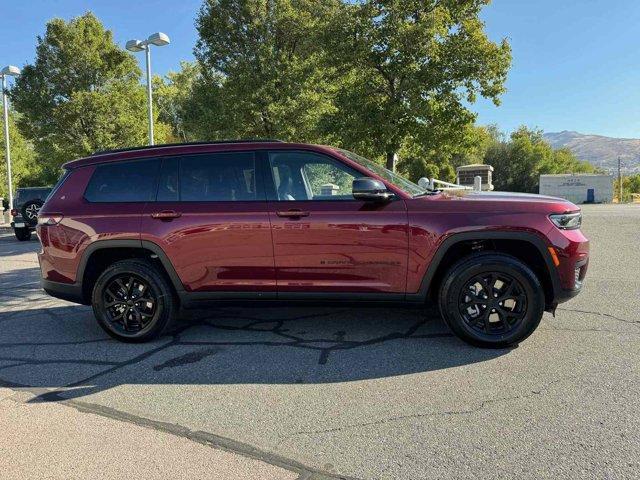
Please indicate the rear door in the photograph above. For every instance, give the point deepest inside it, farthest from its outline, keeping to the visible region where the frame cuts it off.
(324, 240)
(210, 217)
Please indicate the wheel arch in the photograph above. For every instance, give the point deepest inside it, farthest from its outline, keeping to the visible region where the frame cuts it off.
(526, 246)
(102, 253)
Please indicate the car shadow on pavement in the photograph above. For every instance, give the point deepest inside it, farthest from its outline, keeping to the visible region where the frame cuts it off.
(47, 343)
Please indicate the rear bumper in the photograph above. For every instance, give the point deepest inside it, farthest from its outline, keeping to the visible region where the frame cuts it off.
(71, 292)
(18, 222)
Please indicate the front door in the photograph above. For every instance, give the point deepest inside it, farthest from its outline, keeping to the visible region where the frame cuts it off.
(323, 239)
(210, 217)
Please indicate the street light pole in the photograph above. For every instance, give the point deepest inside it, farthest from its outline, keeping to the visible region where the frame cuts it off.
(5, 109)
(149, 93)
(158, 39)
(9, 70)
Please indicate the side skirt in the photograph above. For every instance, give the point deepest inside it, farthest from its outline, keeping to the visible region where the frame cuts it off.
(196, 300)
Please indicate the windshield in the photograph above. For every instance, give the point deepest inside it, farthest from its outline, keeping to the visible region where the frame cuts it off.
(402, 183)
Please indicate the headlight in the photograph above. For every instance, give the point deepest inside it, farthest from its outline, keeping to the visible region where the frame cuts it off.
(567, 221)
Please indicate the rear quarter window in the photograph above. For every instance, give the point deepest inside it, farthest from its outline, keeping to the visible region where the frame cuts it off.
(63, 176)
(123, 182)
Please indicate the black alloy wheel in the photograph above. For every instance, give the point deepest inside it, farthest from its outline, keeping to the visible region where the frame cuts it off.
(493, 303)
(133, 301)
(130, 303)
(491, 299)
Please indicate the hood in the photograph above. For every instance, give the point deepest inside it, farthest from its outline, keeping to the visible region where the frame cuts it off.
(515, 196)
(509, 201)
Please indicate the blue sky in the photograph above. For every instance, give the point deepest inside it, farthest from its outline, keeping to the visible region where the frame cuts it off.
(576, 64)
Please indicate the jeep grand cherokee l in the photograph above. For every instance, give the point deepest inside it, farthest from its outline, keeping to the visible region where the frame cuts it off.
(142, 232)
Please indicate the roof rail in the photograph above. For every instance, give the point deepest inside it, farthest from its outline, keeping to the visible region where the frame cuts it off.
(162, 145)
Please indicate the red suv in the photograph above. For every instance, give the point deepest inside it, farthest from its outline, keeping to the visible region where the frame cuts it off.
(140, 233)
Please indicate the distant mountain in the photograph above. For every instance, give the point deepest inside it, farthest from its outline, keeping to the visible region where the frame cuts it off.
(600, 151)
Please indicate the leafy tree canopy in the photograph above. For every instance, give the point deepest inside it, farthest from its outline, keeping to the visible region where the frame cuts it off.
(172, 95)
(519, 162)
(81, 94)
(262, 59)
(25, 170)
(630, 186)
(410, 67)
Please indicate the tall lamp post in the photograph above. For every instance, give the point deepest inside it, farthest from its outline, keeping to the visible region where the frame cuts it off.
(158, 39)
(8, 71)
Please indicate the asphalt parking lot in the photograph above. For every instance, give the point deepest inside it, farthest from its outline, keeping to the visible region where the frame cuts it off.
(362, 393)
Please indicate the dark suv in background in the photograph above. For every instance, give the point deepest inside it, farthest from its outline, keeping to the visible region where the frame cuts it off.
(26, 205)
(140, 233)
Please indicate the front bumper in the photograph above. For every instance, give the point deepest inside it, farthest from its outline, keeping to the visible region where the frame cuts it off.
(572, 249)
(579, 273)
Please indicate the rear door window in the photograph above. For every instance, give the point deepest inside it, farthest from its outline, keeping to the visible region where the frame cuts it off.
(168, 182)
(124, 182)
(218, 177)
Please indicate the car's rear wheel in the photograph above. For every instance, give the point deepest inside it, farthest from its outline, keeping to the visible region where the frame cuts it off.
(491, 300)
(22, 234)
(133, 301)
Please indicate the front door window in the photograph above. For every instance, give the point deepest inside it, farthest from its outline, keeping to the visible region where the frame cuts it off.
(308, 176)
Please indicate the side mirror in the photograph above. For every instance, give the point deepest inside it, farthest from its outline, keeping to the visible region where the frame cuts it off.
(371, 190)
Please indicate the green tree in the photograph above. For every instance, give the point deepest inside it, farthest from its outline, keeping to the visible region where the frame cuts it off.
(439, 161)
(82, 93)
(519, 162)
(630, 186)
(25, 171)
(409, 67)
(174, 100)
(262, 60)
(564, 161)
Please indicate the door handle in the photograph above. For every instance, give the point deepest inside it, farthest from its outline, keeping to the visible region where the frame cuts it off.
(292, 214)
(166, 215)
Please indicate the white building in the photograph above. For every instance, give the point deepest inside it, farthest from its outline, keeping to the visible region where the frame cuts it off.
(579, 187)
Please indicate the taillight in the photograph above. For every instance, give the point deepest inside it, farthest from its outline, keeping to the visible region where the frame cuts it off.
(14, 212)
(49, 220)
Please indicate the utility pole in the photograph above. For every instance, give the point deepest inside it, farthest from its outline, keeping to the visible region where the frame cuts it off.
(619, 182)
(8, 71)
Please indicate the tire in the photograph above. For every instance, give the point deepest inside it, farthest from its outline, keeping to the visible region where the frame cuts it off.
(511, 314)
(22, 234)
(30, 212)
(126, 319)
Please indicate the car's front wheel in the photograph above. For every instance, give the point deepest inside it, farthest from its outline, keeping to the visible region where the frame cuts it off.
(133, 301)
(491, 300)
(22, 234)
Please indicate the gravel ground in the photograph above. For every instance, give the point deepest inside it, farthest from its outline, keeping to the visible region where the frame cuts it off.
(339, 392)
